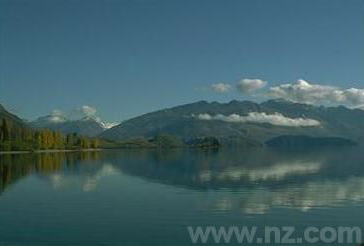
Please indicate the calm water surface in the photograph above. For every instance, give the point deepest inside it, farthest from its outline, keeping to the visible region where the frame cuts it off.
(150, 197)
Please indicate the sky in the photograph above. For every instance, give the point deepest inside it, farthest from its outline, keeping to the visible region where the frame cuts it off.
(125, 58)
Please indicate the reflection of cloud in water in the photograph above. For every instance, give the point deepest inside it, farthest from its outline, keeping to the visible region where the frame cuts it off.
(91, 182)
(321, 194)
(223, 205)
(59, 180)
(275, 172)
(88, 182)
(258, 209)
(304, 197)
(261, 197)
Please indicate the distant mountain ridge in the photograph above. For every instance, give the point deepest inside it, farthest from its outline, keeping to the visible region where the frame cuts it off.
(86, 126)
(231, 122)
(234, 123)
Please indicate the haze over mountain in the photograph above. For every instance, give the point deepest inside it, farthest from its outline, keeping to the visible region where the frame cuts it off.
(85, 126)
(239, 121)
(83, 121)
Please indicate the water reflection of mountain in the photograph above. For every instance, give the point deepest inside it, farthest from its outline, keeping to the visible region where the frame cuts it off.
(234, 169)
(263, 179)
(260, 178)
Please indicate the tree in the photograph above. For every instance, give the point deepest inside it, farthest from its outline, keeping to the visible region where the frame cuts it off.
(23, 138)
(26, 134)
(57, 140)
(70, 141)
(5, 130)
(83, 143)
(16, 134)
(39, 140)
(95, 143)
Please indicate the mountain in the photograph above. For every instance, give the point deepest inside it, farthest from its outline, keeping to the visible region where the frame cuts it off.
(244, 122)
(86, 126)
(15, 120)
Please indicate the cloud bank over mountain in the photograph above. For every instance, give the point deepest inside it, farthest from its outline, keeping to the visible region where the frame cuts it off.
(255, 117)
(87, 111)
(305, 92)
(300, 91)
(57, 116)
(83, 112)
(91, 112)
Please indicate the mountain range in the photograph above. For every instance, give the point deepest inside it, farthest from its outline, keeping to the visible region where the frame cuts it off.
(233, 123)
(242, 121)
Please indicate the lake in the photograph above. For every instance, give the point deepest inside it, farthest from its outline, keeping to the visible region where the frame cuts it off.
(150, 197)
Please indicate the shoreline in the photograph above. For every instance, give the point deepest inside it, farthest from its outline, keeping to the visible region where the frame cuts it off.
(99, 149)
(48, 151)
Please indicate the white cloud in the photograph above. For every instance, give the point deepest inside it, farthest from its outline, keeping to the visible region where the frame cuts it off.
(221, 87)
(87, 111)
(57, 116)
(305, 92)
(256, 117)
(354, 96)
(250, 85)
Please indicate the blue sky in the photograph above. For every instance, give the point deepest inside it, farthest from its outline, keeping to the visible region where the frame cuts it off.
(125, 58)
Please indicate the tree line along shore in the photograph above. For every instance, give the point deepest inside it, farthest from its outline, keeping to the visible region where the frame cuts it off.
(22, 138)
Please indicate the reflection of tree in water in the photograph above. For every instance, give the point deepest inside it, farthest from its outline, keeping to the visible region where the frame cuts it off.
(13, 168)
(16, 167)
